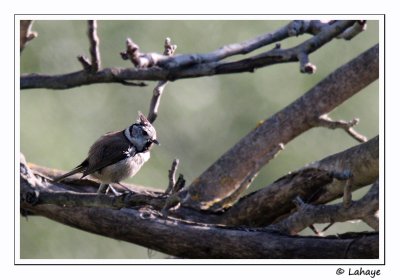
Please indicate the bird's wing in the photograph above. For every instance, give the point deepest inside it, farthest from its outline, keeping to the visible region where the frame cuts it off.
(109, 149)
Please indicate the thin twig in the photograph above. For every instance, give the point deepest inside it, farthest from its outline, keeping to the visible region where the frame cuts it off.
(169, 50)
(94, 45)
(139, 59)
(179, 185)
(174, 195)
(171, 176)
(87, 66)
(93, 65)
(327, 227)
(326, 121)
(305, 65)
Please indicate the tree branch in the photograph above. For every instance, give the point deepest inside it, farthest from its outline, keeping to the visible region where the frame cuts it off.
(94, 64)
(305, 65)
(278, 55)
(351, 32)
(171, 176)
(169, 50)
(188, 66)
(326, 121)
(310, 214)
(314, 183)
(146, 228)
(231, 169)
(266, 205)
(94, 45)
(261, 208)
(363, 162)
(226, 231)
(294, 28)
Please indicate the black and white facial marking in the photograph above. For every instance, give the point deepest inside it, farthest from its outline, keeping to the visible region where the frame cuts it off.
(141, 135)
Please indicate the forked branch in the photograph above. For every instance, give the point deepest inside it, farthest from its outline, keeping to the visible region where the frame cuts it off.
(309, 214)
(157, 67)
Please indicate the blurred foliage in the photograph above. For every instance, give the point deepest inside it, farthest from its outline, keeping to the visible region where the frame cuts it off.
(199, 119)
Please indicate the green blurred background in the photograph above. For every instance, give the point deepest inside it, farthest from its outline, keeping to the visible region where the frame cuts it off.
(199, 119)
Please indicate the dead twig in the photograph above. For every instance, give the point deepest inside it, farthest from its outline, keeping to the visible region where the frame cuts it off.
(326, 121)
(93, 65)
(171, 176)
(169, 50)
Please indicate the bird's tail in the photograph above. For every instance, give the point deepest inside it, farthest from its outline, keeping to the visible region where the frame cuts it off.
(80, 168)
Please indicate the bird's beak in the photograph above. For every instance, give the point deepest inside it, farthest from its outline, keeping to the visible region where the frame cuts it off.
(155, 141)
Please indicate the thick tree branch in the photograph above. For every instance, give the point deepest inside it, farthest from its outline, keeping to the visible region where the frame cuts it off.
(146, 228)
(310, 214)
(171, 68)
(315, 186)
(263, 207)
(260, 208)
(238, 163)
(363, 162)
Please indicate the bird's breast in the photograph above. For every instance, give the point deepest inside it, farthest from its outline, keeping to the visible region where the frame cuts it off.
(123, 169)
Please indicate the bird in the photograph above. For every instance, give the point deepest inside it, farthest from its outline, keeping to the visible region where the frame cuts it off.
(117, 155)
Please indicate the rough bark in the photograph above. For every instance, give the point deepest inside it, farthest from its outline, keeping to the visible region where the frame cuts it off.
(240, 163)
(271, 202)
(165, 68)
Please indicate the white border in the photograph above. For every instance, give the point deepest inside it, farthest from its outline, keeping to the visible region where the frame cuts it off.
(195, 17)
